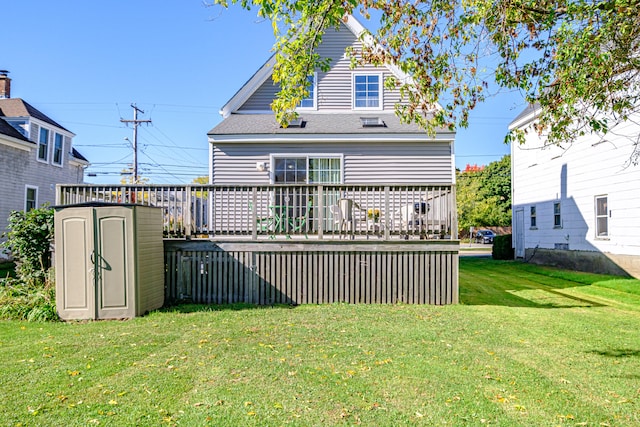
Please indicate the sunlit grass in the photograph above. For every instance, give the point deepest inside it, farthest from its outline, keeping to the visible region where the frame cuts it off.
(527, 346)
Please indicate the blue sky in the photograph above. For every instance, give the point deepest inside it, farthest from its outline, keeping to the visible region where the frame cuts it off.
(83, 63)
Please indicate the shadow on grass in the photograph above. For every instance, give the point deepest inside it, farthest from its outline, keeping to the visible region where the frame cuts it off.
(484, 281)
(203, 308)
(617, 352)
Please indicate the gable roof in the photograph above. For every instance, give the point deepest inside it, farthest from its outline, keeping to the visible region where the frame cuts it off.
(525, 116)
(265, 72)
(16, 107)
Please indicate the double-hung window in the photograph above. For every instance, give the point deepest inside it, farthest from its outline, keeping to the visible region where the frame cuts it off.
(557, 218)
(602, 216)
(367, 91)
(43, 145)
(310, 100)
(31, 198)
(307, 170)
(58, 144)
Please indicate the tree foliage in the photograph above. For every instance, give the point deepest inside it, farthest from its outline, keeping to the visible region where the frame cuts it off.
(29, 239)
(484, 196)
(577, 60)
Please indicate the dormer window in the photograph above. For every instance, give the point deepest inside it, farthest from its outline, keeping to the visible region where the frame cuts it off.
(310, 101)
(367, 91)
(372, 122)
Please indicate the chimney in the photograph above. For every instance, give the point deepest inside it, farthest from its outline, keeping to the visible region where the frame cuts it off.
(5, 84)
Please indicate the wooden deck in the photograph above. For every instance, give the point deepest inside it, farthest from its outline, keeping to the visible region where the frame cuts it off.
(276, 244)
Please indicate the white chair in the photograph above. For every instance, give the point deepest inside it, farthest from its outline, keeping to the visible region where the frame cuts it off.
(343, 215)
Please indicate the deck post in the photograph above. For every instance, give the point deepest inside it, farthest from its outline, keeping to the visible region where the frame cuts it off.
(387, 220)
(320, 211)
(253, 218)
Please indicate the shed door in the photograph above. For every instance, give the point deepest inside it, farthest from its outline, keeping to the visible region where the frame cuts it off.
(519, 249)
(114, 263)
(74, 271)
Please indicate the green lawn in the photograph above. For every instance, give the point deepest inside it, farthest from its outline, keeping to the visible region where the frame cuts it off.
(527, 346)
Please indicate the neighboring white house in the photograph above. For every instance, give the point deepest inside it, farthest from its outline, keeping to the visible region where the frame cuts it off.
(577, 206)
(36, 153)
(348, 132)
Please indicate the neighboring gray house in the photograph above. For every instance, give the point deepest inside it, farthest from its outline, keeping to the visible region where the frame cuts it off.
(577, 206)
(36, 153)
(348, 132)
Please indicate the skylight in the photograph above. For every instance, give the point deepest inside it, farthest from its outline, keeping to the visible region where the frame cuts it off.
(298, 122)
(372, 122)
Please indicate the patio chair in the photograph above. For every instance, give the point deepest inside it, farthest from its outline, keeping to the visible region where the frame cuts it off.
(343, 215)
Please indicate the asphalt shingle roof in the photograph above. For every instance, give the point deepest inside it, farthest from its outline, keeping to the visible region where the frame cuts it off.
(16, 107)
(347, 123)
(8, 130)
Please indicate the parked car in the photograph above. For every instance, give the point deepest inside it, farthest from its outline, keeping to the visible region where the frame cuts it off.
(485, 236)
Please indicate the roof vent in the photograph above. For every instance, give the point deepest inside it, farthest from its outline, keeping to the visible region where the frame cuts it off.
(372, 122)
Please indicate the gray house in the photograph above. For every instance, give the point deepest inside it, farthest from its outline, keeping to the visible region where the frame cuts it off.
(347, 131)
(36, 153)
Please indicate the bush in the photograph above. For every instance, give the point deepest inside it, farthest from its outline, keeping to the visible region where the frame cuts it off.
(29, 239)
(502, 248)
(31, 294)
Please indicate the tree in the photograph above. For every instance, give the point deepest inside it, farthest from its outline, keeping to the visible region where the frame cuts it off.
(484, 195)
(577, 60)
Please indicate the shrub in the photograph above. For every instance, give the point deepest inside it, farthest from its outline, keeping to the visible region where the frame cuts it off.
(502, 248)
(31, 294)
(29, 239)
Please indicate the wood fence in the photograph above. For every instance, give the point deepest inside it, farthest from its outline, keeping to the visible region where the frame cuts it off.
(288, 272)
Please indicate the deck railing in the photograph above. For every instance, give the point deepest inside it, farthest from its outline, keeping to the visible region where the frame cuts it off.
(323, 211)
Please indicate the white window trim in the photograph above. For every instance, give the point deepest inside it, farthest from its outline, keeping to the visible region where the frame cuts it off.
(48, 151)
(315, 95)
(26, 192)
(535, 208)
(273, 156)
(559, 215)
(53, 150)
(380, 90)
(596, 216)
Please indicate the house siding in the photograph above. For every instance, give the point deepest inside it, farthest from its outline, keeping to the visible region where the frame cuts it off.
(401, 163)
(573, 176)
(332, 85)
(20, 169)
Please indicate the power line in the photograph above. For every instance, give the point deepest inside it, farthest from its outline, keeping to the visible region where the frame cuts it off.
(136, 123)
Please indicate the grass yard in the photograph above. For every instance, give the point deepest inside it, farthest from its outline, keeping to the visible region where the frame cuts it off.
(528, 346)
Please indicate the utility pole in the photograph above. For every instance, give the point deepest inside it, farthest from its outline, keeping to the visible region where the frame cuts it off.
(135, 122)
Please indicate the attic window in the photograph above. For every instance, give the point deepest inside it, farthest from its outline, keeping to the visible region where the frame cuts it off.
(372, 122)
(296, 123)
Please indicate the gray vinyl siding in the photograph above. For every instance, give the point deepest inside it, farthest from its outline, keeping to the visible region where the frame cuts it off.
(334, 87)
(402, 163)
(20, 169)
(261, 99)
